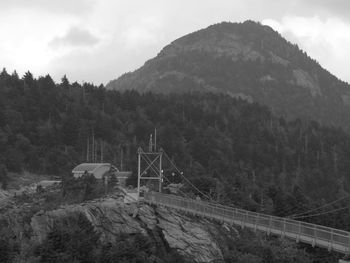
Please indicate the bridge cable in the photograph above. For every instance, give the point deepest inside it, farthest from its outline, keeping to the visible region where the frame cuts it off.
(188, 181)
(154, 170)
(186, 195)
(191, 184)
(323, 213)
(317, 208)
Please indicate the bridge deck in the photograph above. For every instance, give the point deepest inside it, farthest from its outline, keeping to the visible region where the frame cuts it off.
(316, 235)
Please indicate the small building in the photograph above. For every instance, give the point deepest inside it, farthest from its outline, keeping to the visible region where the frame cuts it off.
(122, 176)
(96, 169)
(100, 170)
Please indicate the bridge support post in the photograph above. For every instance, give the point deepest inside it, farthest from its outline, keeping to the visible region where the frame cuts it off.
(149, 168)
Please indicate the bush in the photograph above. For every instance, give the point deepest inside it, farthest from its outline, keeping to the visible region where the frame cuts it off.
(83, 188)
(72, 239)
(5, 254)
(136, 248)
(249, 258)
(8, 250)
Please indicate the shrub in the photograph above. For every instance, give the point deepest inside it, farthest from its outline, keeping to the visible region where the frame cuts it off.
(72, 239)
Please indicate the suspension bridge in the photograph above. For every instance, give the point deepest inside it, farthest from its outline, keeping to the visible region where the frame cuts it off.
(312, 234)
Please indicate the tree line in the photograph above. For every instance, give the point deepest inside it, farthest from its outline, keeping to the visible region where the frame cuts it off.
(234, 151)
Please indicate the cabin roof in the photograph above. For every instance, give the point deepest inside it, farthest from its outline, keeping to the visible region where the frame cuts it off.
(91, 167)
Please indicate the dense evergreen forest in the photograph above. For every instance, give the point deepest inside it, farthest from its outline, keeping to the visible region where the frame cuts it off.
(234, 151)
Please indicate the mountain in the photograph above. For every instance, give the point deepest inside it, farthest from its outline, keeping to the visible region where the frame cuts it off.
(249, 61)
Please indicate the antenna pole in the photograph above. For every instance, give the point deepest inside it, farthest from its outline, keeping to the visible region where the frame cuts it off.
(155, 139)
(93, 146)
(101, 151)
(138, 172)
(87, 149)
(160, 170)
(121, 158)
(150, 146)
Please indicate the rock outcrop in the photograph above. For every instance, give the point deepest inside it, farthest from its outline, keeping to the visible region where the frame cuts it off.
(194, 238)
(109, 229)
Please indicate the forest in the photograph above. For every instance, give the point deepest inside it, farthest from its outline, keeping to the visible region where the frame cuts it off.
(236, 152)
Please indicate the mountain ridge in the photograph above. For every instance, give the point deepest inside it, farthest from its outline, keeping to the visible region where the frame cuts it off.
(250, 61)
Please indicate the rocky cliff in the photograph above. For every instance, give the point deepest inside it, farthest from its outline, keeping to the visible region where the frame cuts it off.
(195, 239)
(27, 231)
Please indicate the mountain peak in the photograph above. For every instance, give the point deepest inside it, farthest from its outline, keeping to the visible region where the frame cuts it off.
(246, 60)
(223, 38)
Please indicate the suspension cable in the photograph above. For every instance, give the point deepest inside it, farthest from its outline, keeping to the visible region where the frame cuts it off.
(323, 213)
(187, 180)
(317, 208)
(148, 160)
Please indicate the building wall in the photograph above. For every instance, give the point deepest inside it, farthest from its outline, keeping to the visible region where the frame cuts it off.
(98, 173)
(101, 171)
(122, 177)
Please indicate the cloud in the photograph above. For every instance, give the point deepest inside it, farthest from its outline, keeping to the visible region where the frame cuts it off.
(143, 33)
(326, 40)
(62, 6)
(98, 40)
(101, 64)
(338, 8)
(74, 37)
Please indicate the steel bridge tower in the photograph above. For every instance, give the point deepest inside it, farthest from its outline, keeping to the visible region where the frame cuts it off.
(149, 167)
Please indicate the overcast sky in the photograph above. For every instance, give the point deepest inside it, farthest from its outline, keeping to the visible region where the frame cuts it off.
(98, 40)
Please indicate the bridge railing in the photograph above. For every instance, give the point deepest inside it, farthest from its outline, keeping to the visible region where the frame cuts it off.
(316, 235)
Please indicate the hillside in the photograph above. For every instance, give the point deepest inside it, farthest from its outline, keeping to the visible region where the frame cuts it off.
(249, 61)
(237, 152)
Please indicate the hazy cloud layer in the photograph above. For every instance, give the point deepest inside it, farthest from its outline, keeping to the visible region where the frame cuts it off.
(55, 6)
(337, 8)
(98, 40)
(75, 37)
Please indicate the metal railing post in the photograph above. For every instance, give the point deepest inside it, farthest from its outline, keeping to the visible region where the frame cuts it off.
(299, 232)
(242, 221)
(235, 214)
(270, 225)
(256, 222)
(314, 237)
(330, 244)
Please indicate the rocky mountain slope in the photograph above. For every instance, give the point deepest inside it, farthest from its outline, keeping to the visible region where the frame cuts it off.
(249, 61)
(105, 226)
(196, 240)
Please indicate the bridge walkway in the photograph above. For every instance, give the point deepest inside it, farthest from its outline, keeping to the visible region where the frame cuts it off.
(315, 235)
